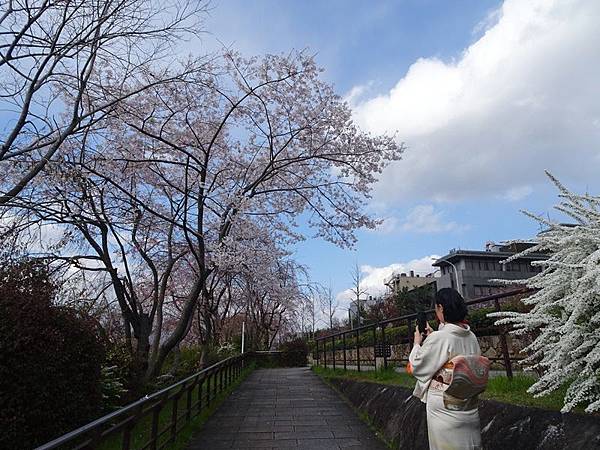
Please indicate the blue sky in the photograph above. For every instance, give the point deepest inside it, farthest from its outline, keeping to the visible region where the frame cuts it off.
(485, 94)
(354, 41)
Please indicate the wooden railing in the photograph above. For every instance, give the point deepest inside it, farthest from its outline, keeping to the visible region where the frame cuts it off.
(187, 398)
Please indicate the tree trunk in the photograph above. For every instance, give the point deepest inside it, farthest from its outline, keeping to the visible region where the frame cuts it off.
(181, 329)
(142, 351)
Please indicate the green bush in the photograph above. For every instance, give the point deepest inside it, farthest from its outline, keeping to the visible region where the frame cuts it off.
(180, 363)
(112, 389)
(50, 360)
(396, 335)
(186, 361)
(295, 353)
(479, 322)
(482, 325)
(123, 371)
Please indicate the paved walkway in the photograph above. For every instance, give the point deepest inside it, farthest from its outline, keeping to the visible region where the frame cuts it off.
(285, 409)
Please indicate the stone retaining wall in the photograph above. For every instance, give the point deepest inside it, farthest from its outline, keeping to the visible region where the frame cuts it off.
(401, 418)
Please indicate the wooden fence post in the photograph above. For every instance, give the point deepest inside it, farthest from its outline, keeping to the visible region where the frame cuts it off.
(504, 345)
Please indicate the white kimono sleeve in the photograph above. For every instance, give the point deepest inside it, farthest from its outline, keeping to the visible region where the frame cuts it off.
(426, 360)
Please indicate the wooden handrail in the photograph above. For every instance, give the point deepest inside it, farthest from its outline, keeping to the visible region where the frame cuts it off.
(131, 414)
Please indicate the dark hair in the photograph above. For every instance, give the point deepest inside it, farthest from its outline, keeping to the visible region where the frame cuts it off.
(454, 305)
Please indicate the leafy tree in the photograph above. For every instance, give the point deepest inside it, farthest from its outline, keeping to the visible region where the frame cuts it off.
(50, 360)
(381, 308)
(565, 311)
(417, 299)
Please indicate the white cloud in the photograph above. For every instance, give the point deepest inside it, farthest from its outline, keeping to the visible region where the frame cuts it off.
(521, 99)
(373, 277)
(420, 219)
(517, 193)
(357, 93)
(425, 219)
(37, 239)
(388, 226)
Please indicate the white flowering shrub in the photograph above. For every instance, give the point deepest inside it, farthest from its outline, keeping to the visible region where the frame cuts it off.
(565, 314)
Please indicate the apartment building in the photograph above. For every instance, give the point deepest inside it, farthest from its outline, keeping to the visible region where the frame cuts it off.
(408, 281)
(470, 271)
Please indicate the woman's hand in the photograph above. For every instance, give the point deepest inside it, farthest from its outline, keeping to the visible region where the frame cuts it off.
(418, 338)
(428, 329)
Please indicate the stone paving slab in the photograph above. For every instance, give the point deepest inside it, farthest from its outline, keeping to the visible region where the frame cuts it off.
(285, 409)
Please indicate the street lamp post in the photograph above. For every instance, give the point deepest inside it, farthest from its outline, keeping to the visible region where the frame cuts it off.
(458, 286)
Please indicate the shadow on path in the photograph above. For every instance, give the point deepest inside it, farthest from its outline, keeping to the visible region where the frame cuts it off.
(285, 409)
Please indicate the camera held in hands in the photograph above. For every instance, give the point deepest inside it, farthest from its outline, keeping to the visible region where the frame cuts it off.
(422, 323)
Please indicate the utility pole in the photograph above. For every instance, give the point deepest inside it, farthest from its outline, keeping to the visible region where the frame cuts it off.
(243, 334)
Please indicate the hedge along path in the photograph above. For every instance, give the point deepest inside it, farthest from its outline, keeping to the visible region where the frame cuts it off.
(285, 409)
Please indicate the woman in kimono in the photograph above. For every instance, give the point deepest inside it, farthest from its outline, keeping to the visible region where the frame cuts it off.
(449, 426)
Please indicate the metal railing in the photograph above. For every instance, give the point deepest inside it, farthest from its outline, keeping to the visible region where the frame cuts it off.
(187, 398)
(339, 339)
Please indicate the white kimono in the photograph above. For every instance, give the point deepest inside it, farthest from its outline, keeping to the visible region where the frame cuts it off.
(447, 429)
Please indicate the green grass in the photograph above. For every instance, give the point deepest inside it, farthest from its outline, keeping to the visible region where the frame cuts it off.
(499, 388)
(384, 376)
(141, 433)
(514, 391)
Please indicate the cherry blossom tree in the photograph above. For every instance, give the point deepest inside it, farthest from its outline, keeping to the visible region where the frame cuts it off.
(189, 195)
(565, 317)
(64, 65)
(261, 140)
